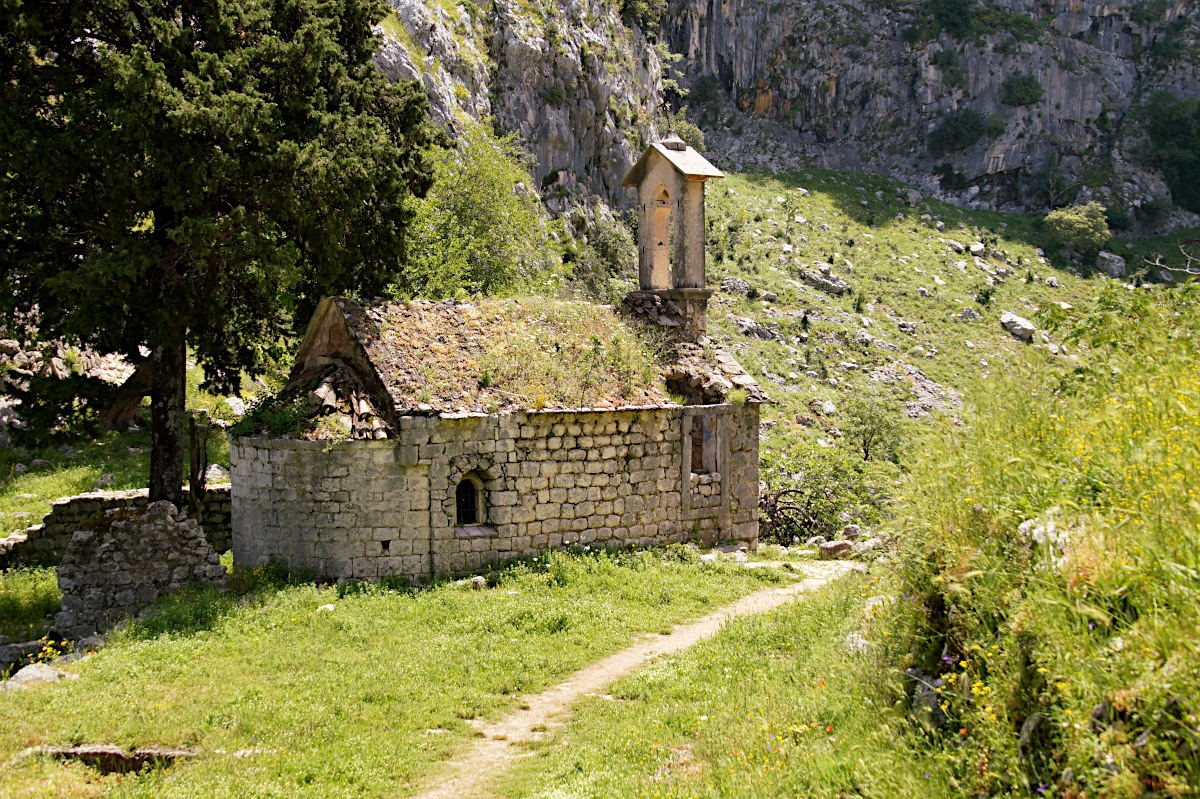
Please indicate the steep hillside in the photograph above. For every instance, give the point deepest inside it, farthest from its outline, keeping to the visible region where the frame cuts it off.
(577, 84)
(837, 285)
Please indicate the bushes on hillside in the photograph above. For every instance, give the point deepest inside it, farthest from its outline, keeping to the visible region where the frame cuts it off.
(1174, 128)
(809, 488)
(1020, 89)
(961, 129)
(479, 229)
(1084, 228)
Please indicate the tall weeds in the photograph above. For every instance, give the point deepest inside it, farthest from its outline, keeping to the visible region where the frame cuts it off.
(1055, 538)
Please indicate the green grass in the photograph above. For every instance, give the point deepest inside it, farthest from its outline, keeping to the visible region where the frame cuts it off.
(25, 498)
(358, 701)
(775, 705)
(1098, 608)
(28, 595)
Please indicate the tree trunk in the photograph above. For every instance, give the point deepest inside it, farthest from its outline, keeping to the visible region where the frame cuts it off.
(168, 425)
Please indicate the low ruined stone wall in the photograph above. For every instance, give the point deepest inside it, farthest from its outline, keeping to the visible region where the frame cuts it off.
(367, 509)
(127, 560)
(44, 544)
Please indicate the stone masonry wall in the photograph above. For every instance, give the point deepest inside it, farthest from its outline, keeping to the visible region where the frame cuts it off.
(44, 544)
(129, 559)
(367, 509)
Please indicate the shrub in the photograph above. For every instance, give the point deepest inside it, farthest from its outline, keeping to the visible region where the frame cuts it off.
(949, 178)
(958, 131)
(605, 261)
(808, 488)
(477, 231)
(948, 62)
(1081, 227)
(1020, 89)
(706, 89)
(953, 16)
(643, 13)
(1118, 219)
(555, 96)
(873, 426)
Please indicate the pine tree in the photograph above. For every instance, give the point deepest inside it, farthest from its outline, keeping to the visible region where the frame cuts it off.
(196, 174)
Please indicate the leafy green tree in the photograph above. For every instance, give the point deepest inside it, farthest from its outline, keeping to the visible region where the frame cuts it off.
(874, 428)
(194, 174)
(808, 487)
(479, 229)
(1082, 227)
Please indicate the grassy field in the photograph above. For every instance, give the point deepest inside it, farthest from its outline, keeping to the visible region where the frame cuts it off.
(78, 466)
(776, 705)
(282, 697)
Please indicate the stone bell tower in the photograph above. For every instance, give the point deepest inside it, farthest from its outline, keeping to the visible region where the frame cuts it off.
(669, 178)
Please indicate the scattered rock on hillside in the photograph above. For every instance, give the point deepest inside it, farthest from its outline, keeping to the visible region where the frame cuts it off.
(748, 327)
(735, 285)
(834, 549)
(905, 326)
(969, 315)
(978, 249)
(1018, 326)
(823, 279)
(1111, 264)
(40, 674)
(109, 759)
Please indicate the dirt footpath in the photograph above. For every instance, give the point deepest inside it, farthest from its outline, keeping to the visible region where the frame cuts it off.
(469, 776)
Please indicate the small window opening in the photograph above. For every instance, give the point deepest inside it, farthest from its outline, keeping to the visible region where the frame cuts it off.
(386, 546)
(704, 444)
(468, 503)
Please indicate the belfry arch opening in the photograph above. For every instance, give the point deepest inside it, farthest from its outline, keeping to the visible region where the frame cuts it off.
(660, 264)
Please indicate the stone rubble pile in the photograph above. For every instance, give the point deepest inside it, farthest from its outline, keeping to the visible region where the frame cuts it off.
(130, 558)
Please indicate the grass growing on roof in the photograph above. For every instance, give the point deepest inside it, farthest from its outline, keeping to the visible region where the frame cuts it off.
(361, 700)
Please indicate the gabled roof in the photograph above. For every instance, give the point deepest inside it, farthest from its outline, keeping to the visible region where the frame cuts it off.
(384, 360)
(684, 158)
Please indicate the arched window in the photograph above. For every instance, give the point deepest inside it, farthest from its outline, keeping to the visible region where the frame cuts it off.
(468, 502)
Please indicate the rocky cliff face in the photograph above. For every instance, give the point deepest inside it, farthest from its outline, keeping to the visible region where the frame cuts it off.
(859, 84)
(852, 84)
(577, 84)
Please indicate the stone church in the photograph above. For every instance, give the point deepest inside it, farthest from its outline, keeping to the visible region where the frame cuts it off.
(428, 488)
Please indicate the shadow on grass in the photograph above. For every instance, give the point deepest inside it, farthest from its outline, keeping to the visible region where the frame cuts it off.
(29, 598)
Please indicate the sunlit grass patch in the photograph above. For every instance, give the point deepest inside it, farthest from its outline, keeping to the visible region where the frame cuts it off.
(28, 595)
(773, 706)
(279, 695)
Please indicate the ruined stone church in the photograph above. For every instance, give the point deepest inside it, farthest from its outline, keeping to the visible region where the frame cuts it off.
(429, 488)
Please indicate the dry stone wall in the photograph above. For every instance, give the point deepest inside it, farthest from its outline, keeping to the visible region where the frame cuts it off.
(129, 559)
(44, 544)
(368, 509)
